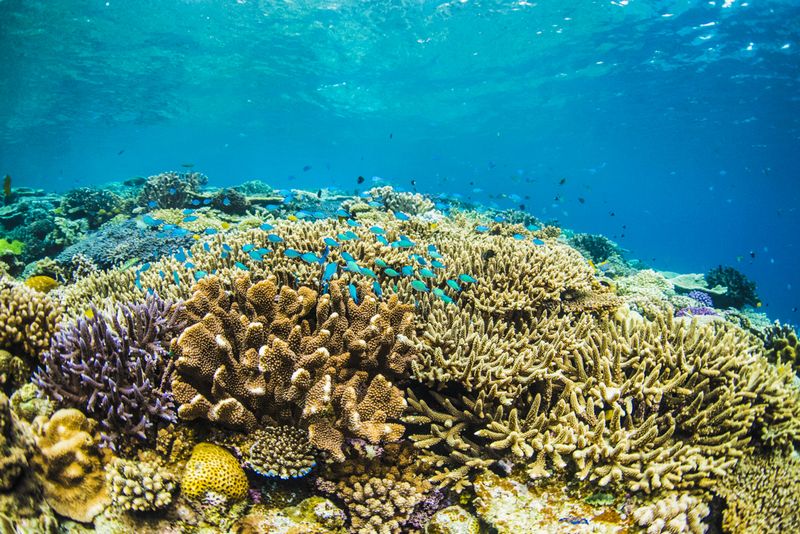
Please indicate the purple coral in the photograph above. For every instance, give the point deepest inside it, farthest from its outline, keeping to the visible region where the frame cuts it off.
(116, 369)
(703, 298)
(691, 311)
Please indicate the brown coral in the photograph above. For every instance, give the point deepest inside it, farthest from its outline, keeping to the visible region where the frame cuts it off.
(71, 464)
(27, 319)
(267, 352)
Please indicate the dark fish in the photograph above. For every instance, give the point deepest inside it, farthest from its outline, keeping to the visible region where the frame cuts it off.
(486, 256)
(360, 180)
(307, 168)
(136, 180)
(753, 254)
(391, 135)
(611, 213)
(522, 207)
(582, 200)
(121, 152)
(562, 181)
(187, 165)
(319, 193)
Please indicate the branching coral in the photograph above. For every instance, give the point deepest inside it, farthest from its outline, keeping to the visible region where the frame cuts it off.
(95, 205)
(263, 352)
(116, 368)
(171, 189)
(27, 320)
(139, 486)
(673, 513)
(409, 203)
(740, 289)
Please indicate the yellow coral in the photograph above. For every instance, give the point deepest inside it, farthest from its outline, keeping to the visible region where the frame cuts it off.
(41, 283)
(212, 473)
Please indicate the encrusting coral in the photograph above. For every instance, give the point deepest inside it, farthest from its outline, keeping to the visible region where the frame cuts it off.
(139, 486)
(282, 452)
(212, 475)
(117, 369)
(264, 352)
(71, 464)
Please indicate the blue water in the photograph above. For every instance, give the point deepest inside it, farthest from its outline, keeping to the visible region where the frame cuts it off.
(676, 122)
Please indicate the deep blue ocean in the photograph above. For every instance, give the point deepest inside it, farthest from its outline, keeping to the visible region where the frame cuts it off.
(670, 126)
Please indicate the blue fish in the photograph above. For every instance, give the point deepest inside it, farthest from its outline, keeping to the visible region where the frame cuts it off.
(224, 254)
(454, 285)
(200, 274)
(382, 240)
(180, 255)
(403, 242)
(481, 229)
(206, 247)
(401, 216)
(226, 246)
(330, 242)
(353, 223)
(380, 263)
(302, 214)
(437, 264)
(138, 283)
(310, 257)
(419, 285)
(351, 235)
(329, 271)
(342, 213)
(190, 218)
(144, 268)
(426, 273)
(368, 272)
(435, 255)
(264, 251)
(377, 230)
(391, 272)
(176, 278)
(353, 267)
(188, 211)
(376, 288)
(320, 215)
(169, 227)
(152, 204)
(255, 255)
(241, 266)
(407, 270)
(274, 238)
(172, 191)
(195, 202)
(444, 298)
(532, 227)
(499, 218)
(538, 241)
(162, 275)
(346, 256)
(467, 278)
(518, 237)
(189, 265)
(420, 259)
(151, 221)
(226, 201)
(248, 247)
(206, 201)
(291, 253)
(353, 292)
(374, 204)
(266, 227)
(210, 231)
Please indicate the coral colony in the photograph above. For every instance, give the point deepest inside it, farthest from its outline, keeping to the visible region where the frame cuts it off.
(175, 357)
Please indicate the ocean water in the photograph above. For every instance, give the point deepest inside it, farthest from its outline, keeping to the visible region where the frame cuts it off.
(673, 125)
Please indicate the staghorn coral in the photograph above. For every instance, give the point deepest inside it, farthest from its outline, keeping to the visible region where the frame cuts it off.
(27, 320)
(71, 465)
(171, 189)
(761, 494)
(140, 486)
(116, 368)
(212, 474)
(409, 203)
(267, 352)
(673, 513)
(282, 452)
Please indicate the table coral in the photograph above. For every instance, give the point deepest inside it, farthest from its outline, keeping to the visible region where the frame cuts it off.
(71, 464)
(116, 368)
(320, 361)
(212, 474)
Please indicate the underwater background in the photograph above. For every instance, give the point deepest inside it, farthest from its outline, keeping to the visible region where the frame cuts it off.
(669, 126)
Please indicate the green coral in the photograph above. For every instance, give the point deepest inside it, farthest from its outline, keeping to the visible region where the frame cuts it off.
(11, 247)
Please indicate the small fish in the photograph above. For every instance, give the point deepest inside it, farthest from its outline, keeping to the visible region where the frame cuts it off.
(353, 267)
(582, 200)
(467, 278)
(562, 181)
(518, 237)
(195, 202)
(226, 201)
(187, 165)
(180, 256)
(145, 267)
(437, 264)
(532, 227)
(190, 218)
(347, 256)
(224, 254)
(342, 213)
(274, 238)
(89, 313)
(255, 255)
(152, 204)
(210, 231)
(353, 292)
(173, 191)
(376, 288)
(310, 257)
(293, 218)
(162, 274)
(481, 229)
(266, 227)
(330, 242)
(435, 254)
(302, 214)
(241, 266)
(227, 247)
(374, 204)
(225, 225)
(176, 278)
(248, 247)
(407, 270)
(200, 274)
(206, 201)
(537, 241)
(391, 272)
(403, 243)
(151, 221)
(138, 283)
(400, 216)
(353, 223)
(454, 285)
(329, 271)
(382, 240)
(419, 285)
(422, 261)
(426, 273)
(368, 272)
(360, 180)
(442, 296)
(380, 263)
(306, 168)
(188, 211)
(499, 218)
(320, 215)
(291, 253)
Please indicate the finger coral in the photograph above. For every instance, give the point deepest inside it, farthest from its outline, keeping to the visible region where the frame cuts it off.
(71, 464)
(673, 513)
(266, 352)
(139, 486)
(27, 320)
(116, 368)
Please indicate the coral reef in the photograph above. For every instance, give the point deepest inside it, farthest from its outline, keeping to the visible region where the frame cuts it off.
(171, 189)
(14, 371)
(282, 452)
(740, 290)
(399, 201)
(117, 369)
(29, 402)
(213, 475)
(761, 494)
(16, 447)
(782, 346)
(673, 513)
(71, 465)
(453, 520)
(314, 515)
(95, 205)
(595, 247)
(230, 200)
(296, 357)
(139, 486)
